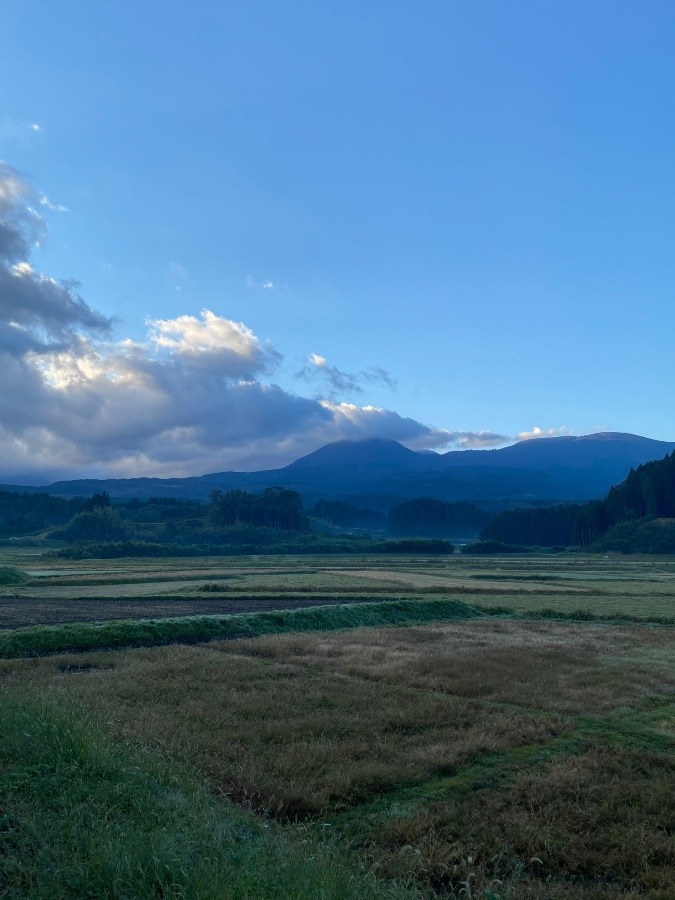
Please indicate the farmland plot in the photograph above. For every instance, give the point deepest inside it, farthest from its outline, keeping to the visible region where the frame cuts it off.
(520, 747)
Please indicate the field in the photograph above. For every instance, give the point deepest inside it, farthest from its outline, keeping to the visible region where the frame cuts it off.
(99, 590)
(518, 743)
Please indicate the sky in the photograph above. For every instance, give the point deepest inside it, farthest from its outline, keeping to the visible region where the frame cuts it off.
(231, 232)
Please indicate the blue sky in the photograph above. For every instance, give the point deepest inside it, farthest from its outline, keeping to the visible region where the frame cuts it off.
(459, 214)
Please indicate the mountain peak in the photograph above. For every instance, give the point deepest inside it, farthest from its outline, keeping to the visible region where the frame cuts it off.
(383, 452)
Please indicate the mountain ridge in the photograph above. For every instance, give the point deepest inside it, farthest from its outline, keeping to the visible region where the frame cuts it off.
(535, 471)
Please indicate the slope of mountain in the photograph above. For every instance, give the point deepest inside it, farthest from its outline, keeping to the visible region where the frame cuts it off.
(379, 473)
(368, 458)
(605, 448)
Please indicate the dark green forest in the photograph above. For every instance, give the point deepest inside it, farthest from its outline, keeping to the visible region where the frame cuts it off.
(346, 515)
(621, 521)
(648, 491)
(636, 516)
(26, 513)
(427, 517)
(276, 508)
(546, 526)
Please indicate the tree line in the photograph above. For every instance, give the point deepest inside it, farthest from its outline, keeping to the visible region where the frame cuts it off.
(648, 492)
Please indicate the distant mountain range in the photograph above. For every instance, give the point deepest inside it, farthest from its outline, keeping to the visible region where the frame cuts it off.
(379, 473)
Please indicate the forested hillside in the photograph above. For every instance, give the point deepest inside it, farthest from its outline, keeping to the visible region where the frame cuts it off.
(616, 522)
(23, 513)
(648, 490)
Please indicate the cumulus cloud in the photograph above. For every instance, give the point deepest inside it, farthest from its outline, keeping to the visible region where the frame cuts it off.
(46, 310)
(337, 381)
(194, 396)
(538, 432)
(229, 348)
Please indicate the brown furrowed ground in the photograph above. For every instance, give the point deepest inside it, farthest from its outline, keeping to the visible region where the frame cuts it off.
(30, 610)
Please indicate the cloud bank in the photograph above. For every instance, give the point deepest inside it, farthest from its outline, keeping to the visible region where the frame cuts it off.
(195, 396)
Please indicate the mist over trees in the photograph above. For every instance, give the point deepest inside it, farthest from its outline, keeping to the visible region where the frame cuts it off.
(427, 517)
(637, 515)
(347, 515)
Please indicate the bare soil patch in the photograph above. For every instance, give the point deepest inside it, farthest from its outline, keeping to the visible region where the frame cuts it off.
(17, 612)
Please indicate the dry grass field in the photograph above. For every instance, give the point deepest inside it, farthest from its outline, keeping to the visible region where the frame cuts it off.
(511, 756)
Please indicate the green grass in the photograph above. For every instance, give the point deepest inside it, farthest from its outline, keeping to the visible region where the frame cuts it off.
(10, 575)
(83, 817)
(39, 640)
(45, 639)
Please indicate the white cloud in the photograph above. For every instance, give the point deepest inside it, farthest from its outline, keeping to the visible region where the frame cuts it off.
(538, 432)
(479, 440)
(193, 397)
(266, 283)
(338, 381)
(54, 207)
(221, 344)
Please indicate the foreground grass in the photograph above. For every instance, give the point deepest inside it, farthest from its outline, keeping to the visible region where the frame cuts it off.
(593, 821)
(567, 668)
(517, 759)
(278, 737)
(481, 750)
(81, 817)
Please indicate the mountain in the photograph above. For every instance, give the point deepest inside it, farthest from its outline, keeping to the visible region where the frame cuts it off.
(380, 473)
(367, 459)
(606, 448)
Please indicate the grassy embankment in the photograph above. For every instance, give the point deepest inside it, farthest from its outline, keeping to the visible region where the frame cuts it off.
(84, 817)
(45, 639)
